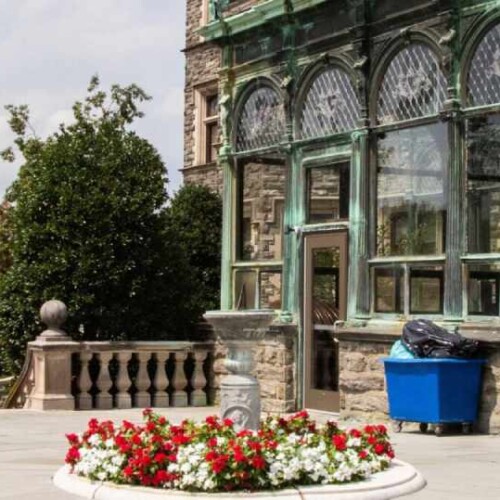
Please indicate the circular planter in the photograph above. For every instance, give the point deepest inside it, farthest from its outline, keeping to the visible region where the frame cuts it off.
(400, 479)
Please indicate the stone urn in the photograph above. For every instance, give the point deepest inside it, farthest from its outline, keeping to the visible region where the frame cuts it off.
(240, 391)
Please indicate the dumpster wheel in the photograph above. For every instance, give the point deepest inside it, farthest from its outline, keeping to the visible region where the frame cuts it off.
(467, 428)
(439, 429)
(396, 425)
(423, 427)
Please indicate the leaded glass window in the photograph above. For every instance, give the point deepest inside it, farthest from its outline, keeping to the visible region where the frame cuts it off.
(413, 86)
(261, 120)
(330, 106)
(483, 183)
(483, 85)
(411, 194)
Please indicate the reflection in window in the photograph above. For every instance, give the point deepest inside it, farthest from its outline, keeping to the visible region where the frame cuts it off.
(325, 285)
(245, 289)
(270, 290)
(325, 361)
(328, 193)
(413, 86)
(426, 290)
(331, 105)
(411, 200)
(483, 183)
(483, 289)
(389, 289)
(262, 188)
(483, 85)
(261, 120)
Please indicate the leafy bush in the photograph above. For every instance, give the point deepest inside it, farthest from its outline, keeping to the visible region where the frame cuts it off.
(196, 220)
(89, 227)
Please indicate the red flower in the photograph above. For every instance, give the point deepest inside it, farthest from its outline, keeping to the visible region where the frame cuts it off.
(159, 458)
(382, 429)
(72, 438)
(211, 456)
(379, 449)
(239, 456)
(72, 456)
(363, 454)
(355, 433)
(212, 442)
(369, 429)
(128, 471)
(340, 442)
(219, 464)
(255, 446)
(372, 440)
(228, 422)
(258, 462)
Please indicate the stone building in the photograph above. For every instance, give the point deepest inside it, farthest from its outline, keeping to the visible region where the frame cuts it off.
(357, 147)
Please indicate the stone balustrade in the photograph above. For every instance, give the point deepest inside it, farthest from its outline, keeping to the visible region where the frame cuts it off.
(61, 374)
(123, 375)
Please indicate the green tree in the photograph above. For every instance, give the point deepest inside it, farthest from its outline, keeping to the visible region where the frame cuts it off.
(196, 218)
(89, 227)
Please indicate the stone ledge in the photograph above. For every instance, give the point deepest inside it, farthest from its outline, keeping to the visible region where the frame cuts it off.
(399, 480)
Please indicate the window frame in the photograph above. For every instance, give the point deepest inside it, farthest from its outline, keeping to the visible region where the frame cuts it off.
(202, 123)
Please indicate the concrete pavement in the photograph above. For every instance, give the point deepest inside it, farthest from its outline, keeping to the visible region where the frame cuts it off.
(32, 448)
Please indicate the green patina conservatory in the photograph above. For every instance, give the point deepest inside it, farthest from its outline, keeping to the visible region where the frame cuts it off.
(360, 152)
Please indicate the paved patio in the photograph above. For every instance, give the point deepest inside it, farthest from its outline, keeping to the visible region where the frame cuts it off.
(32, 447)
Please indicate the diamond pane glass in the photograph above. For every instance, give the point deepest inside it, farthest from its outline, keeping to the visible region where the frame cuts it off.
(413, 86)
(483, 85)
(331, 105)
(261, 122)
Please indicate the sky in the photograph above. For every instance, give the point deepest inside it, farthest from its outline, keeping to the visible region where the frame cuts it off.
(49, 49)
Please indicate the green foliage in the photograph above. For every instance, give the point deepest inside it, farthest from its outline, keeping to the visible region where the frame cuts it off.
(196, 218)
(89, 227)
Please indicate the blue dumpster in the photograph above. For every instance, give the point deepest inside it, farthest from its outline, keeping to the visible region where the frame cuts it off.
(433, 391)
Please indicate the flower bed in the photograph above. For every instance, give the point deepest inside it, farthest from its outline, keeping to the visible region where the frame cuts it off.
(213, 456)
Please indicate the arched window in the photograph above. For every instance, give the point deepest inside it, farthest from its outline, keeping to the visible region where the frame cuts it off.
(261, 120)
(483, 82)
(413, 86)
(330, 105)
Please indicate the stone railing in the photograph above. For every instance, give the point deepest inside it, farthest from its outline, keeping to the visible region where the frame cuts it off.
(60, 374)
(141, 374)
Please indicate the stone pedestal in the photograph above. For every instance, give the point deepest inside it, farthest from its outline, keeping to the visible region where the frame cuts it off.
(240, 401)
(52, 390)
(240, 391)
(52, 362)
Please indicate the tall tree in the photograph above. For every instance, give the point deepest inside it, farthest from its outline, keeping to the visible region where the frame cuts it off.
(89, 227)
(196, 218)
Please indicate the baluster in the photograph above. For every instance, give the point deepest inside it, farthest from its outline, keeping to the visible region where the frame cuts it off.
(104, 399)
(84, 398)
(142, 397)
(160, 397)
(199, 381)
(123, 382)
(179, 381)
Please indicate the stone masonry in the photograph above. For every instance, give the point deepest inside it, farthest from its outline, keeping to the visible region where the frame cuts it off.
(275, 369)
(362, 383)
(202, 71)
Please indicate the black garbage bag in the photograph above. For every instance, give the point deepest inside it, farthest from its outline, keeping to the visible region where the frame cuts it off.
(425, 339)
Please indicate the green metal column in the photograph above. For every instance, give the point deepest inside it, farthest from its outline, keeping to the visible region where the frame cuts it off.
(455, 226)
(358, 295)
(293, 218)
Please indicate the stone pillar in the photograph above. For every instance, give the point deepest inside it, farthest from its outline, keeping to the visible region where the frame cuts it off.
(52, 361)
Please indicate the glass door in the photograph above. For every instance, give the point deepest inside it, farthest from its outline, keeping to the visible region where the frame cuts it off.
(325, 290)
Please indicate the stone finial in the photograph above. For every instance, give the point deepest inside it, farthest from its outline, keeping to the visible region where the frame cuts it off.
(54, 313)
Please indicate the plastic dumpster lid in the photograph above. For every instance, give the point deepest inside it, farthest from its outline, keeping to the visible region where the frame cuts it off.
(434, 360)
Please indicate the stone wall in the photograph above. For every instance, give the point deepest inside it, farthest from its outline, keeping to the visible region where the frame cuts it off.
(275, 370)
(361, 380)
(202, 71)
(489, 409)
